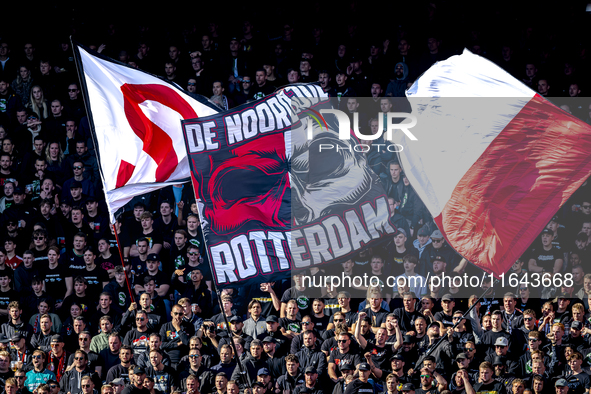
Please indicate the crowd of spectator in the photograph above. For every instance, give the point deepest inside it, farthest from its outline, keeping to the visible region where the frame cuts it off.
(75, 319)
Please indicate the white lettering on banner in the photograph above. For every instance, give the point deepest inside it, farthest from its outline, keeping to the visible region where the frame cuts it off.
(269, 115)
(200, 137)
(246, 255)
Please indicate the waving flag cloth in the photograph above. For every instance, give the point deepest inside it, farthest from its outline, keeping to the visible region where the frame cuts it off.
(136, 120)
(494, 160)
(264, 210)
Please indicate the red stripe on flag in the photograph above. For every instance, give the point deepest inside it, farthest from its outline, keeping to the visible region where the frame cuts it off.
(512, 191)
(156, 142)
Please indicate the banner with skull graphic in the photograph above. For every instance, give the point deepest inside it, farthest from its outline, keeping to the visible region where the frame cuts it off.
(270, 202)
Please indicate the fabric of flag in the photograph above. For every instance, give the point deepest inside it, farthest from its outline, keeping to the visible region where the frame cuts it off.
(494, 160)
(270, 202)
(136, 120)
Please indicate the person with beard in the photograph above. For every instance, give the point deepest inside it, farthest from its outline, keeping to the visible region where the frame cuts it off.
(501, 374)
(501, 352)
(399, 84)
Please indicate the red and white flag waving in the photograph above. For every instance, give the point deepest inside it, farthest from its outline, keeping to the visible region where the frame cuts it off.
(494, 160)
(137, 123)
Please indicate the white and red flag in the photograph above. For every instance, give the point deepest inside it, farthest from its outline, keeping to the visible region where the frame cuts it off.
(136, 118)
(494, 160)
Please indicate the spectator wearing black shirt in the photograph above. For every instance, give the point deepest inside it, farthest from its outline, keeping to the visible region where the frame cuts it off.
(445, 315)
(96, 277)
(176, 334)
(546, 257)
(342, 355)
(291, 325)
(161, 280)
(58, 280)
(407, 314)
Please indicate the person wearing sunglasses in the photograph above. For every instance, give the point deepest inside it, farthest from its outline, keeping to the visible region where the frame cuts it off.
(72, 380)
(39, 374)
(95, 361)
(138, 338)
(343, 354)
(460, 335)
(176, 334)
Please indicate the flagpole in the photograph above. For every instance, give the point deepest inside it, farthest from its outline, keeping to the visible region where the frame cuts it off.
(243, 373)
(119, 246)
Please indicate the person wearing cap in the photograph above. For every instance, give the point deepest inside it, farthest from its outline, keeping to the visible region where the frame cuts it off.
(546, 257)
(137, 382)
(273, 330)
(499, 363)
(397, 363)
(161, 279)
(118, 385)
(275, 362)
(236, 331)
(561, 386)
(265, 378)
(438, 247)
(311, 385)
(84, 183)
(361, 384)
(39, 374)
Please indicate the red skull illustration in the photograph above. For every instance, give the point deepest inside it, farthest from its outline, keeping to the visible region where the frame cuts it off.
(251, 185)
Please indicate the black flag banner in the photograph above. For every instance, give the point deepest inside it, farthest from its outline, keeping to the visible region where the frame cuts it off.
(271, 201)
